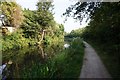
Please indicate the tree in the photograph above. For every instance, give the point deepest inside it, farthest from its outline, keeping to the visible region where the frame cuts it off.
(44, 16)
(30, 25)
(40, 24)
(13, 13)
(103, 25)
(82, 10)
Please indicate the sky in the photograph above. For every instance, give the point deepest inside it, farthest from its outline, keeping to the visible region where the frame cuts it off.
(60, 7)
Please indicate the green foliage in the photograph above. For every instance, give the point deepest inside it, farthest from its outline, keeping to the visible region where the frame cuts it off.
(82, 10)
(15, 41)
(110, 57)
(65, 64)
(44, 15)
(42, 20)
(35, 22)
(75, 33)
(103, 29)
(69, 63)
(30, 33)
(12, 12)
(46, 70)
(30, 26)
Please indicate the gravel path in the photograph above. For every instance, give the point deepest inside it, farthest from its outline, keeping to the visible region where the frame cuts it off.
(92, 65)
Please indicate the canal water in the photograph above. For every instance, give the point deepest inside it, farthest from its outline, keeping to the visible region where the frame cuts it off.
(27, 59)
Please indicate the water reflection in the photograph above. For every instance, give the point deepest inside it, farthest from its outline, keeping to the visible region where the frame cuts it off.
(27, 58)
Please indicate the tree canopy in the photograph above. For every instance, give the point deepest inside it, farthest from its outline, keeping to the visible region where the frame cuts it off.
(104, 19)
(13, 13)
(103, 30)
(40, 23)
(82, 10)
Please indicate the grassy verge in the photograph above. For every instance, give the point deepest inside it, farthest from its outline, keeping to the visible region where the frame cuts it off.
(69, 62)
(109, 56)
(65, 64)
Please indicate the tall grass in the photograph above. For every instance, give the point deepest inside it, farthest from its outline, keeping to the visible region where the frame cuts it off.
(71, 62)
(65, 64)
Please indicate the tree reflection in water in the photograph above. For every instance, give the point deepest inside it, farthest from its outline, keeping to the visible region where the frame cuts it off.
(27, 58)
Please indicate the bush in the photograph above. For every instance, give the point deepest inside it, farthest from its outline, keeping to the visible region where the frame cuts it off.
(15, 41)
(65, 64)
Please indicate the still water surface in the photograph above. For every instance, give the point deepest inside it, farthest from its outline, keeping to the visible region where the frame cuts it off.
(27, 57)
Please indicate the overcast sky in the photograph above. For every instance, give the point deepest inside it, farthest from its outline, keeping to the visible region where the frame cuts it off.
(59, 8)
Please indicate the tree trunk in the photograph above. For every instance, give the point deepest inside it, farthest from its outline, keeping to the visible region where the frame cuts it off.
(43, 33)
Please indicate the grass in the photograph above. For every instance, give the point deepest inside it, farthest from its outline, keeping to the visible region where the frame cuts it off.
(69, 62)
(66, 63)
(109, 58)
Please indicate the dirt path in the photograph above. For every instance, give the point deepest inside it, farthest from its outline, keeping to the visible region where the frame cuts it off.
(92, 65)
